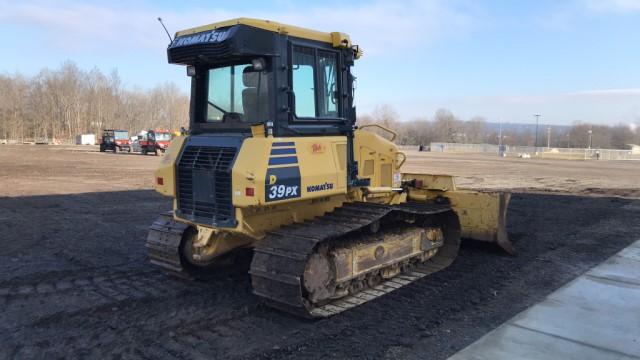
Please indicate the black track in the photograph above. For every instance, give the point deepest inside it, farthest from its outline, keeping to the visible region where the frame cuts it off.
(163, 241)
(279, 260)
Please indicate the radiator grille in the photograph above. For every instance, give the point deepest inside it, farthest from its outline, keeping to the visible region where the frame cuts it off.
(204, 185)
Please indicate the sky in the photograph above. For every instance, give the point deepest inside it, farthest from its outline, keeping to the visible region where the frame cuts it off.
(571, 60)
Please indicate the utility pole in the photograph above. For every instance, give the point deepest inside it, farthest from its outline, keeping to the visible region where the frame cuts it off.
(501, 150)
(536, 142)
(548, 137)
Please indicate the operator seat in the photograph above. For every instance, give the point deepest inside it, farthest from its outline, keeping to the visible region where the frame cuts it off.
(251, 94)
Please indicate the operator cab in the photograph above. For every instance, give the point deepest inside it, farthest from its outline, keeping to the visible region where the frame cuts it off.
(244, 72)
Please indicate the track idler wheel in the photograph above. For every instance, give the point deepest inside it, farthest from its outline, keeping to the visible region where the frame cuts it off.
(318, 278)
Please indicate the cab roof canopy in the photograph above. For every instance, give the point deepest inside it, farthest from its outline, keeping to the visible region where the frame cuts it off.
(337, 39)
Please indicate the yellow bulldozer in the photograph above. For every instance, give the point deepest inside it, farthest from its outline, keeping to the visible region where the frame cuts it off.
(274, 162)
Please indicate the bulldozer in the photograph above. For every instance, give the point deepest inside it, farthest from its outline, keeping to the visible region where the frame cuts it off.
(274, 162)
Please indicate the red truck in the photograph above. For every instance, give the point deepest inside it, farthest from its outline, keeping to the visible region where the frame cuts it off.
(154, 140)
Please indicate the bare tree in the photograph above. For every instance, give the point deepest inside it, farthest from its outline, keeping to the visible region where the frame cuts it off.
(446, 127)
(58, 104)
(476, 130)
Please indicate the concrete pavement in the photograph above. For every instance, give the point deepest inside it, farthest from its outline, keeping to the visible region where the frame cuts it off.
(596, 316)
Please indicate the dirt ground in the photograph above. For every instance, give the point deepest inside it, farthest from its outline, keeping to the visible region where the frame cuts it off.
(482, 171)
(48, 170)
(75, 280)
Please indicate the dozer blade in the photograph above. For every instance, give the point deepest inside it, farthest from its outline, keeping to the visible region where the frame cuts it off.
(482, 214)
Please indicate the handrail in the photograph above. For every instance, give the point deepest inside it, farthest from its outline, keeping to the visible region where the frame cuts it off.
(404, 158)
(393, 133)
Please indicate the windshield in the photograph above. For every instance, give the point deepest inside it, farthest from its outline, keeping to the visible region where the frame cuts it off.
(163, 136)
(237, 93)
(121, 135)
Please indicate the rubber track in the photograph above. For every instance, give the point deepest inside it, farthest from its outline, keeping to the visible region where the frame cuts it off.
(280, 258)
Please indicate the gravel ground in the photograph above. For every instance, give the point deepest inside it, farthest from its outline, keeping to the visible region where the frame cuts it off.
(75, 280)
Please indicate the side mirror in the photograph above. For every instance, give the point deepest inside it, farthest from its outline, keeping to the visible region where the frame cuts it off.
(258, 64)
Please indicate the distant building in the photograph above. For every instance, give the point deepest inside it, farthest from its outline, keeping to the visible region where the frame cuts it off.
(635, 149)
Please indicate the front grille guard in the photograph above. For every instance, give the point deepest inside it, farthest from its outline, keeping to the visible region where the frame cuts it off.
(204, 186)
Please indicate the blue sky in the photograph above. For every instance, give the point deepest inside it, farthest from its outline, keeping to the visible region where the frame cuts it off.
(572, 60)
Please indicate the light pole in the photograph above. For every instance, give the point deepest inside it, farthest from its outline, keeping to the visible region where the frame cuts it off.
(536, 142)
(548, 137)
(590, 132)
(501, 150)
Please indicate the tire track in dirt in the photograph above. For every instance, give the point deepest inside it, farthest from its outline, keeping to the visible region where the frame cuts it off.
(144, 319)
(80, 290)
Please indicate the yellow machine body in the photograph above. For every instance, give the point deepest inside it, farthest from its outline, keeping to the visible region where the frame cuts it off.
(321, 165)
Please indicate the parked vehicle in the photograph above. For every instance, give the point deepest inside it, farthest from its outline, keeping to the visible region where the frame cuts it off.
(115, 140)
(154, 140)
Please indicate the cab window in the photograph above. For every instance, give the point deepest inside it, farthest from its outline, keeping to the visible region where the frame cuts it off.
(237, 92)
(328, 88)
(314, 76)
(303, 75)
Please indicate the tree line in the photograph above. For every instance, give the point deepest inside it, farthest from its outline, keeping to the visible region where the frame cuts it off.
(56, 105)
(444, 126)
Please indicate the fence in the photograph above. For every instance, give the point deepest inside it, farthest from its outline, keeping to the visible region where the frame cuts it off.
(31, 140)
(540, 152)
